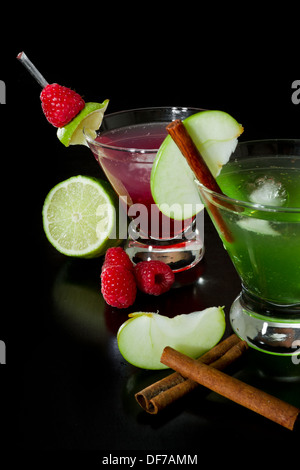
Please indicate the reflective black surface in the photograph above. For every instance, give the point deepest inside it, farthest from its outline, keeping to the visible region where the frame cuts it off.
(72, 390)
(78, 391)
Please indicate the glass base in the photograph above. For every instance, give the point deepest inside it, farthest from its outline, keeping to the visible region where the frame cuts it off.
(272, 333)
(276, 331)
(179, 256)
(273, 367)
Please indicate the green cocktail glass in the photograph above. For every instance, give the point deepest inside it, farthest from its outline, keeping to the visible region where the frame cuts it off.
(259, 223)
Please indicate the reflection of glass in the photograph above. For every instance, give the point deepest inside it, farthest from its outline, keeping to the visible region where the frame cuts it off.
(259, 224)
(125, 148)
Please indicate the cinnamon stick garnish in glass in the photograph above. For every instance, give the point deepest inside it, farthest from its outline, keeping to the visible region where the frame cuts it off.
(164, 392)
(250, 397)
(184, 142)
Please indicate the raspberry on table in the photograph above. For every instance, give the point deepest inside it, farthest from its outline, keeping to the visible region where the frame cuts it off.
(153, 277)
(60, 104)
(116, 256)
(118, 286)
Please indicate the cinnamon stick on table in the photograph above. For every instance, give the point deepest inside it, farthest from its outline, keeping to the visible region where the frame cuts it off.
(166, 391)
(184, 142)
(250, 397)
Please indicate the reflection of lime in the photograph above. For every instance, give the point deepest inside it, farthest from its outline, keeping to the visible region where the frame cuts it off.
(78, 303)
(89, 118)
(79, 217)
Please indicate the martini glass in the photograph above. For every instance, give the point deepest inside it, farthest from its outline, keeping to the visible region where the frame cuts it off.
(259, 223)
(125, 148)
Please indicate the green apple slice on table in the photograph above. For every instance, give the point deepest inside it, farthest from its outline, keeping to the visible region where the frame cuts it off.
(215, 135)
(90, 118)
(143, 337)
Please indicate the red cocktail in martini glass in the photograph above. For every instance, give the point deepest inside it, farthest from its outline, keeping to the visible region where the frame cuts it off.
(125, 147)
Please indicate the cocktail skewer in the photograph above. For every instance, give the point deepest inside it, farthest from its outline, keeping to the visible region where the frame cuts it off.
(22, 57)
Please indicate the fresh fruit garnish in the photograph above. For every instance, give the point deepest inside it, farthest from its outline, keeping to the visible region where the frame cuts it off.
(90, 118)
(118, 286)
(65, 109)
(79, 217)
(215, 135)
(117, 256)
(153, 277)
(60, 104)
(143, 337)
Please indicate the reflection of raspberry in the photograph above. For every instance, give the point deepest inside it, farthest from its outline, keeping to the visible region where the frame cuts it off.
(153, 277)
(118, 286)
(117, 257)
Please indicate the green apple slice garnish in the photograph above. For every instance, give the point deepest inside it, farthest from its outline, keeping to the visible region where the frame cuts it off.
(90, 118)
(143, 337)
(173, 189)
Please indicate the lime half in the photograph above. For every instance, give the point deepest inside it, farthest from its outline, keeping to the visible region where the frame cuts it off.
(80, 217)
(90, 118)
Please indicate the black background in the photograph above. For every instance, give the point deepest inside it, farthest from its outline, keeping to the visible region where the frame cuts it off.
(135, 62)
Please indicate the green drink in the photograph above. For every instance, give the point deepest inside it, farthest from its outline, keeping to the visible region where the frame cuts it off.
(258, 221)
(266, 244)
